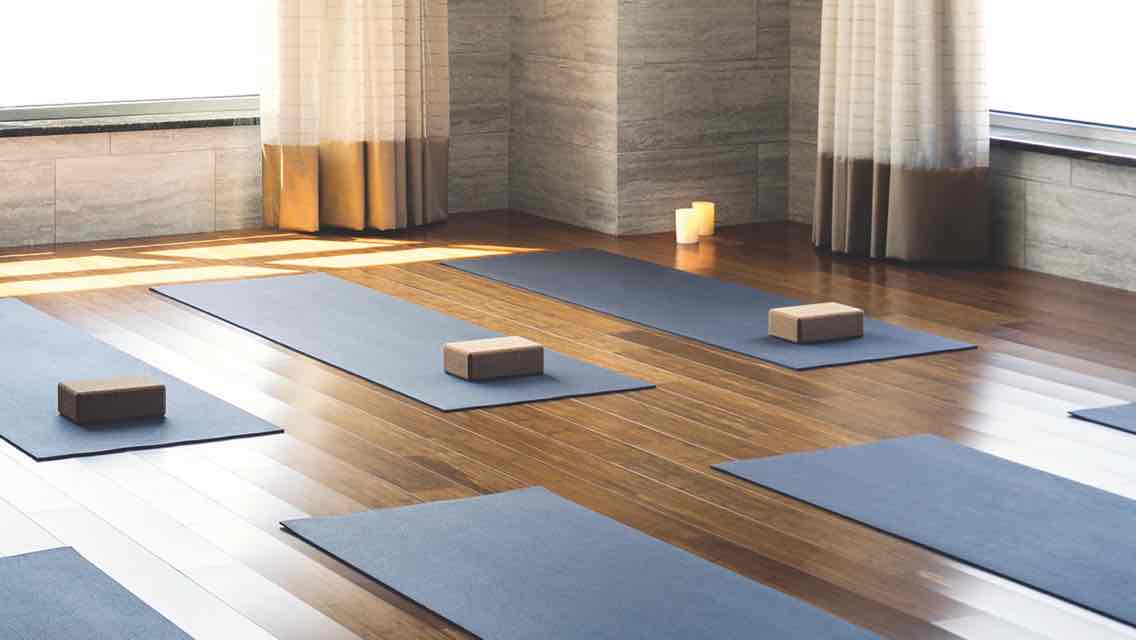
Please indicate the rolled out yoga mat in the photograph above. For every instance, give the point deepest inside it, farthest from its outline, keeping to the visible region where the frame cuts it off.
(528, 564)
(40, 351)
(1061, 537)
(1121, 417)
(720, 314)
(380, 338)
(58, 595)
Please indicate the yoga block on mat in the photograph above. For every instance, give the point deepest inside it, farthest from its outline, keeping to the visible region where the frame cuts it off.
(493, 358)
(816, 322)
(111, 399)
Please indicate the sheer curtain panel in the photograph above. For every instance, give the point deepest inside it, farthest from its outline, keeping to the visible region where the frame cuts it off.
(903, 144)
(355, 115)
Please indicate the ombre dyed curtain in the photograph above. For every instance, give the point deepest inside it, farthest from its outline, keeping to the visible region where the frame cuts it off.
(903, 145)
(355, 115)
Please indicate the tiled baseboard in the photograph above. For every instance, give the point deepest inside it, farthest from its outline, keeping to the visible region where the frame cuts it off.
(128, 184)
(1065, 216)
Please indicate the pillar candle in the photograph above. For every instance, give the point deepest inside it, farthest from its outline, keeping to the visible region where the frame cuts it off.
(705, 217)
(686, 226)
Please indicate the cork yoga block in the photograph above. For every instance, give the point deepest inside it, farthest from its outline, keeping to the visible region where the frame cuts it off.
(493, 358)
(111, 400)
(816, 322)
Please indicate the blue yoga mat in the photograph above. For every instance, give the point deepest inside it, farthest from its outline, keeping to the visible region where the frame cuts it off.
(1121, 417)
(58, 595)
(528, 564)
(40, 351)
(721, 314)
(388, 341)
(1054, 535)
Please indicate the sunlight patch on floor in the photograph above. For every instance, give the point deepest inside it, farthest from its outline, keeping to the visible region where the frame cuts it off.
(15, 253)
(379, 258)
(271, 248)
(383, 241)
(147, 243)
(25, 268)
(500, 248)
(137, 278)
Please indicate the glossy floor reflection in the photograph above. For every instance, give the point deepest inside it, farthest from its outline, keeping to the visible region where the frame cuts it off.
(196, 528)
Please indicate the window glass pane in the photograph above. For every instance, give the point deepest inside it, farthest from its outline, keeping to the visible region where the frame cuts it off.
(1071, 60)
(71, 51)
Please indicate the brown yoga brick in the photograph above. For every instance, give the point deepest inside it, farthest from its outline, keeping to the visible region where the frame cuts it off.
(111, 399)
(493, 358)
(816, 322)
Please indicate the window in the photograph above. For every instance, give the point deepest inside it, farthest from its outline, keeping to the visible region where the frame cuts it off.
(1065, 60)
(67, 52)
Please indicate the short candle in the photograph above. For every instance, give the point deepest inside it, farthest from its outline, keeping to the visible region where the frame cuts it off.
(705, 217)
(686, 226)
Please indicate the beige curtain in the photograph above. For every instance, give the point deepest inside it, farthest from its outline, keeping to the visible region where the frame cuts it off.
(355, 117)
(903, 138)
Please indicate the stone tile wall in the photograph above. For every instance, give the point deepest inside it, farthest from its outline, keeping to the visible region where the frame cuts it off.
(624, 110)
(563, 115)
(703, 110)
(804, 83)
(479, 104)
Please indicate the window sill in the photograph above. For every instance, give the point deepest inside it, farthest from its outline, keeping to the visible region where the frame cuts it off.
(128, 123)
(1121, 153)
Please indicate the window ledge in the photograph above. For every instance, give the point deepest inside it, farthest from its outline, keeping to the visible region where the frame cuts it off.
(1122, 153)
(128, 123)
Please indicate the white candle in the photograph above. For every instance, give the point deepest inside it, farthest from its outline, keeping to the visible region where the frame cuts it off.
(686, 226)
(705, 217)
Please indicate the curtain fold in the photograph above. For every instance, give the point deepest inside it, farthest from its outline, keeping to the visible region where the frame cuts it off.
(903, 137)
(355, 113)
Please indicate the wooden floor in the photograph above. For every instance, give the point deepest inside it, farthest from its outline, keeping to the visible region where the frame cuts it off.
(193, 530)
